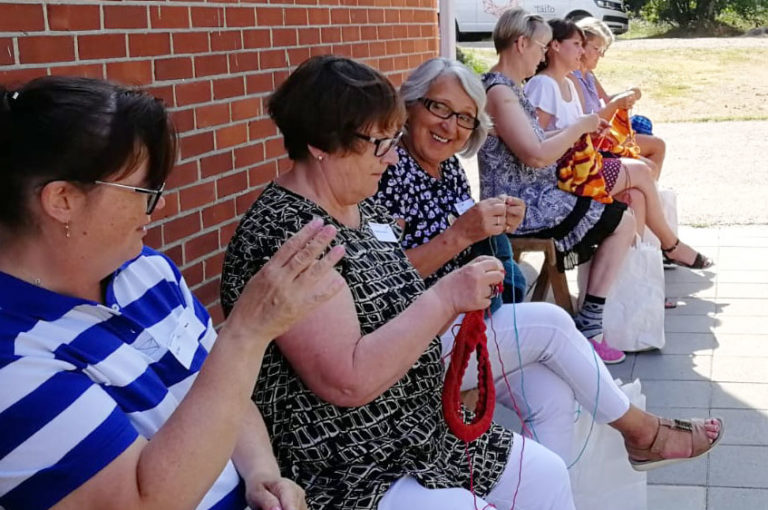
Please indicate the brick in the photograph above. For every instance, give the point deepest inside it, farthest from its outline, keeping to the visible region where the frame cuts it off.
(134, 72)
(284, 165)
(208, 293)
(273, 148)
(269, 16)
(39, 49)
(219, 213)
(284, 37)
(201, 246)
(191, 42)
(231, 184)
(101, 46)
(228, 87)
(350, 34)
(263, 128)
(7, 52)
(296, 17)
(87, 71)
(319, 16)
(342, 49)
(245, 201)
(182, 227)
(170, 207)
(330, 34)
(272, 59)
(246, 108)
(254, 39)
(360, 51)
(309, 36)
(154, 237)
(257, 83)
(261, 174)
(226, 232)
(207, 65)
(176, 254)
(193, 274)
(211, 115)
(339, 16)
(297, 55)
(169, 16)
(193, 92)
(74, 17)
(184, 120)
(358, 16)
(368, 33)
(249, 155)
(198, 195)
(164, 93)
(207, 16)
(240, 17)
(375, 16)
(125, 16)
(217, 314)
(153, 44)
(183, 174)
(216, 164)
(243, 62)
(173, 68)
(194, 145)
(226, 41)
(21, 17)
(230, 136)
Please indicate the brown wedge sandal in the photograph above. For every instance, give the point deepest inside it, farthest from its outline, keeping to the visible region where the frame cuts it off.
(645, 459)
(700, 262)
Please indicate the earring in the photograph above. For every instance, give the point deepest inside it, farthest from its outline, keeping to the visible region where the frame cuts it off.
(320, 158)
(66, 229)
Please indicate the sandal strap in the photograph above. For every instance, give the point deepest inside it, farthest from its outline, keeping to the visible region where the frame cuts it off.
(699, 439)
(671, 248)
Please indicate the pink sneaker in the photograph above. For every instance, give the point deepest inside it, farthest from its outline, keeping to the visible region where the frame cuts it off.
(608, 354)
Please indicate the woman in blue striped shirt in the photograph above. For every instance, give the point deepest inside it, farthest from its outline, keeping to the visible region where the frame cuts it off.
(106, 402)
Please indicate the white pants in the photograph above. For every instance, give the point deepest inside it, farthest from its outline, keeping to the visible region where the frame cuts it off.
(544, 485)
(556, 364)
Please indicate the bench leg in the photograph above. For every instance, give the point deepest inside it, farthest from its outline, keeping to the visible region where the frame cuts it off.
(560, 290)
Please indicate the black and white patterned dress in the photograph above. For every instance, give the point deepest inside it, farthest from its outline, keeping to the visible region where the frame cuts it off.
(346, 458)
(424, 203)
(577, 224)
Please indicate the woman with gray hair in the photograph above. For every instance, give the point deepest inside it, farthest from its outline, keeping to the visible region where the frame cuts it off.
(540, 352)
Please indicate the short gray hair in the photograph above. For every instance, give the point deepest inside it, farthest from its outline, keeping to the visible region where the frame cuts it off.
(593, 27)
(514, 23)
(421, 79)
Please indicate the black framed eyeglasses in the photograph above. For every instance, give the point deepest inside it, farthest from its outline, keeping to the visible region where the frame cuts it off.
(382, 145)
(444, 111)
(153, 194)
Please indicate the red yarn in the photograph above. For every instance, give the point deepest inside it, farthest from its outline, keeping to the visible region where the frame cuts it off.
(471, 338)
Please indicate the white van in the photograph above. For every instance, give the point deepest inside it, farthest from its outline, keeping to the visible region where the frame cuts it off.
(474, 16)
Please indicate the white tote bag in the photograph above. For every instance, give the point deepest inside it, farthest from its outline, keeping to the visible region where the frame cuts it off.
(602, 478)
(669, 207)
(633, 317)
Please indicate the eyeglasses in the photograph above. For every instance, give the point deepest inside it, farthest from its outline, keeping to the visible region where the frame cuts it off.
(382, 145)
(542, 46)
(152, 199)
(444, 111)
(597, 49)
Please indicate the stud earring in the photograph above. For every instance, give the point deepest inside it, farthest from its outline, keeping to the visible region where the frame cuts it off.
(320, 158)
(66, 229)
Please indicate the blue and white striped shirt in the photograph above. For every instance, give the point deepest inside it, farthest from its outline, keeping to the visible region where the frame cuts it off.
(80, 381)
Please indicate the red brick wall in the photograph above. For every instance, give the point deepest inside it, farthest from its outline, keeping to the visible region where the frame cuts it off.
(214, 63)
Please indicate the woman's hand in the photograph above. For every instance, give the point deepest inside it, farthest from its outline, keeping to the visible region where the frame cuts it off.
(471, 286)
(280, 493)
(626, 100)
(292, 283)
(515, 212)
(589, 123)
(483, 220)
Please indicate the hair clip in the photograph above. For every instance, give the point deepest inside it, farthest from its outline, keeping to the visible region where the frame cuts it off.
(15, 95)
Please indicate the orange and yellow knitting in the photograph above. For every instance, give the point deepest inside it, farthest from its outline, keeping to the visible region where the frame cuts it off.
(620, 138)
(579, 171)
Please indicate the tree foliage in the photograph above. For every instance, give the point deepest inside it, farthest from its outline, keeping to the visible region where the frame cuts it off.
(690, 13)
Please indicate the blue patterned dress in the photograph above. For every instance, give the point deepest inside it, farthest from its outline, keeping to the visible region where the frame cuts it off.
(577, 224)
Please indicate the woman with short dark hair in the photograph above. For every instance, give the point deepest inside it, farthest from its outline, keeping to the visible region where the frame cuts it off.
(117, 392)
(352, 394)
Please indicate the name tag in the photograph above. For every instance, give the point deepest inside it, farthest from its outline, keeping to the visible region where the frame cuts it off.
(464, 206)
(183, 344)
(383, 232)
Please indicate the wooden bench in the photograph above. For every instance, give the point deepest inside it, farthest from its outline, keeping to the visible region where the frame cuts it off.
(549, 276)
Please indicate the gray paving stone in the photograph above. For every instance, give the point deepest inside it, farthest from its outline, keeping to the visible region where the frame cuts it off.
(683, 275)
(689, 323)
(660, 394)
(742, 290)
(747, 427)
(752, 346)
(740, 258)
(726, 498)
(693, 472)
(689, 343)
(742, 325)
(685, 497)
(739, 466)
(740, 395)
(739, 369)
(703, 289)
(672, 367)
(739, 276)
(741, 307)
(692, 306)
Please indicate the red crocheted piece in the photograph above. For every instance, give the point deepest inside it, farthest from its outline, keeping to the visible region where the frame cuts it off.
(471, 338)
